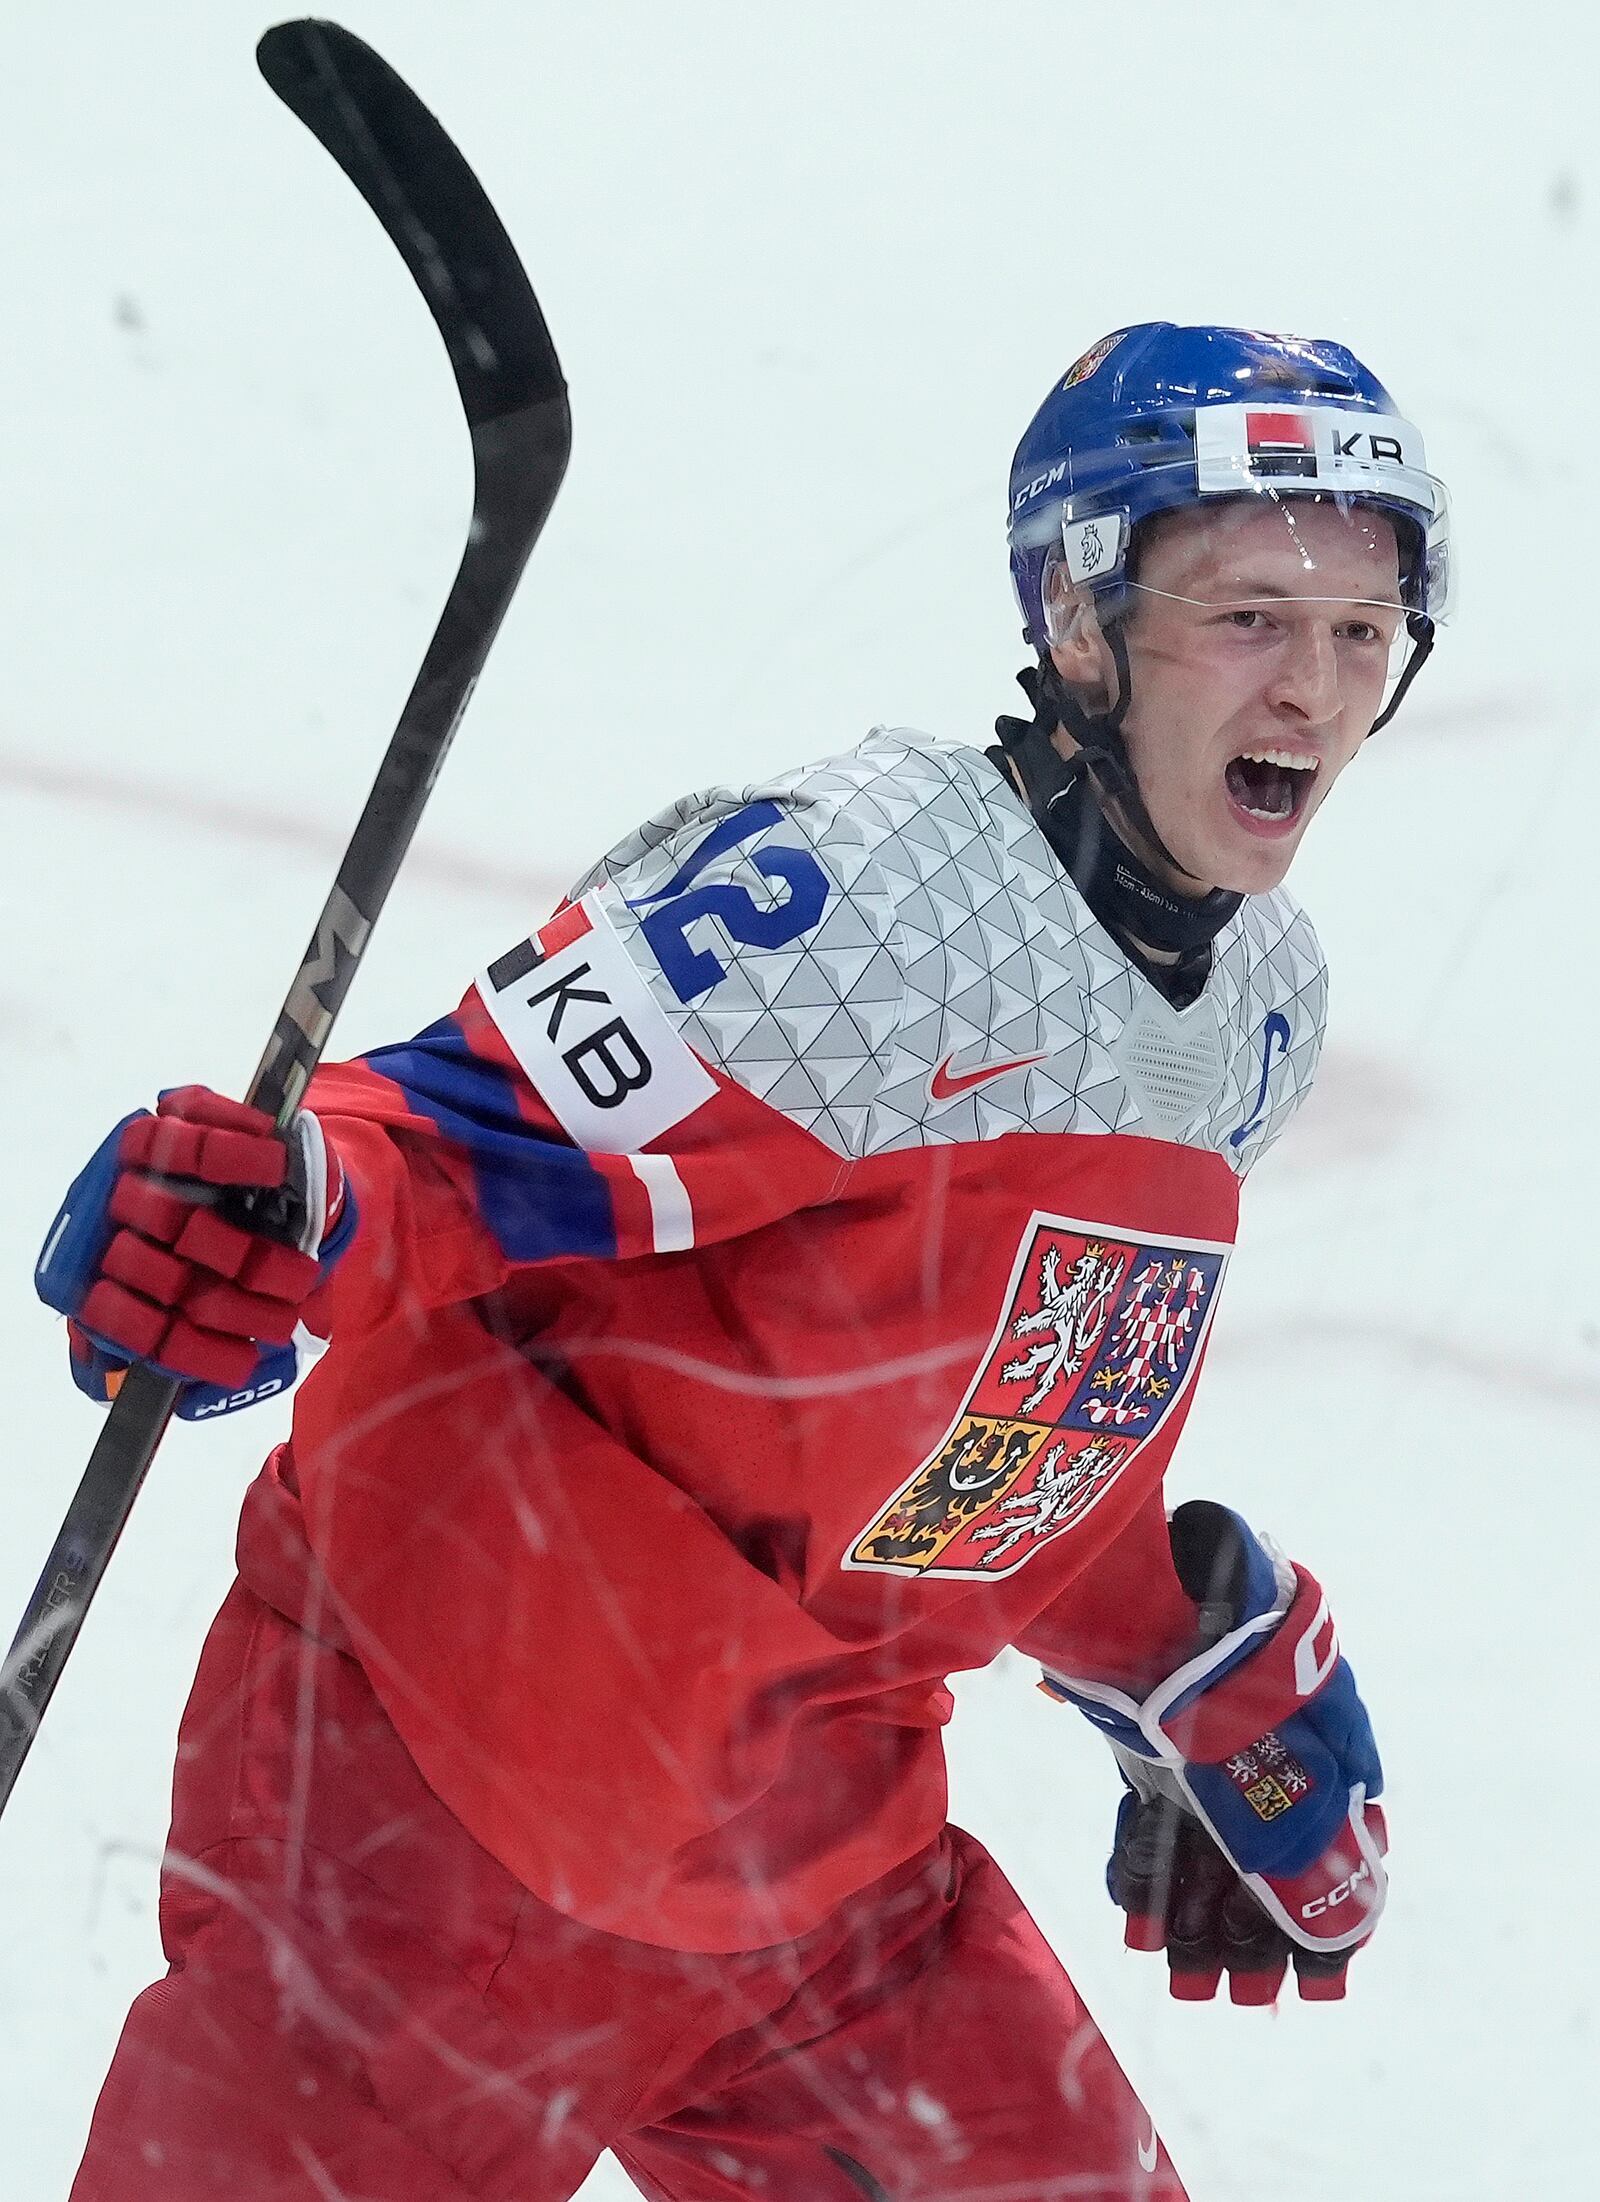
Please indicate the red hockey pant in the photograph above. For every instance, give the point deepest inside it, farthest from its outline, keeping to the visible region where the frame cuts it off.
(363, 2006)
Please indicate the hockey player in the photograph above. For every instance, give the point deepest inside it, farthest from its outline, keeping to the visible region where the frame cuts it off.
(777, 1286)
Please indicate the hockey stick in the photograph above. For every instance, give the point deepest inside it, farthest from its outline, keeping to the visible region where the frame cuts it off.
(512, 392)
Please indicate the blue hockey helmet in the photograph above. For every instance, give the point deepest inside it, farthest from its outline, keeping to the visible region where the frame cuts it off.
(1156, 417)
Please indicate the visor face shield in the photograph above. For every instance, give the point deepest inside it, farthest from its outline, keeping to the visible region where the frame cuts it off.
(1364, 633)
(1249, 586)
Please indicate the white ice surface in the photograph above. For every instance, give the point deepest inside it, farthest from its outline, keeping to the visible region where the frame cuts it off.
(810, 269)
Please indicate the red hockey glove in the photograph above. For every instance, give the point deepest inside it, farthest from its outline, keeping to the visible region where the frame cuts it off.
(1255, 1754)
(1182, 1895)
(193, 1241)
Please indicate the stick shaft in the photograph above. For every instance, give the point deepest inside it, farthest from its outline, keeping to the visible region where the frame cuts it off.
(514, 398)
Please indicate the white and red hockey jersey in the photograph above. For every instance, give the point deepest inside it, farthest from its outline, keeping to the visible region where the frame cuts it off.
(779, 1285)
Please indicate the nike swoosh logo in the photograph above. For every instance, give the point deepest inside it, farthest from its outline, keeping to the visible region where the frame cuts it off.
(949, 1085)
(1149, 2151)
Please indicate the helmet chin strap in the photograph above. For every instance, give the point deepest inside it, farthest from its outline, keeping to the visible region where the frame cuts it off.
(1422, 632)
(1068, 797)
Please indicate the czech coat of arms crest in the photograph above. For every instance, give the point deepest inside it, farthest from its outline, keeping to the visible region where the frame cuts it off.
(1096, 1344)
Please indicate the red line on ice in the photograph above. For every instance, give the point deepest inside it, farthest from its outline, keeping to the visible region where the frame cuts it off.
(1371, 1104)
(455, 871)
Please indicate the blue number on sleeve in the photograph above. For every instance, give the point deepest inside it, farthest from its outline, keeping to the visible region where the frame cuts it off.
(692, 971)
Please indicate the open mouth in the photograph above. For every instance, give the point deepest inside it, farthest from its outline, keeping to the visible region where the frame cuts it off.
(1271, 786)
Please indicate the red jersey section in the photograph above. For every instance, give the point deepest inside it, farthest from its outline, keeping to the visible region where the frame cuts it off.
(600, 1540)
(768, 1300)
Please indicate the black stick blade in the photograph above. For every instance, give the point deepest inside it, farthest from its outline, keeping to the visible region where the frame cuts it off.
(430, 203)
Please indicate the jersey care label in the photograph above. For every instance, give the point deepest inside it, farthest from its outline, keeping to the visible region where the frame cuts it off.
(599, 1050)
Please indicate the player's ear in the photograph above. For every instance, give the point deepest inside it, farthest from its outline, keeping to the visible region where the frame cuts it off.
(1078, 649)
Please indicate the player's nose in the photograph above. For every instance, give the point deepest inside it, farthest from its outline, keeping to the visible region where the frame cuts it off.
(1306, 680)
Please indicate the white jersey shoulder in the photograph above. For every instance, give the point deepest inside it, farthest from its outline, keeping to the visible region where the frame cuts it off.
(885, 947)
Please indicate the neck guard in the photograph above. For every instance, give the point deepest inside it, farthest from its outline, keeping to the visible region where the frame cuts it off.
(1138, 909)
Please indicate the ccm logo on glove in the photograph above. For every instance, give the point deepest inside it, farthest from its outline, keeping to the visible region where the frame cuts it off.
(1255, 1755)
(1320, 1904)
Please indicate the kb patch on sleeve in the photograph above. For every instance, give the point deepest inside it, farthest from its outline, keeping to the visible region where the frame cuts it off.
(596, 1045)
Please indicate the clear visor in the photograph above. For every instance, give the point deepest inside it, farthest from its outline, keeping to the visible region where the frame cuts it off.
(1260, 581)
(1359, 633)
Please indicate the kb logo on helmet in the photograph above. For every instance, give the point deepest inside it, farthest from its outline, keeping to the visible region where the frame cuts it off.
(1303, 447)
(1378, 447)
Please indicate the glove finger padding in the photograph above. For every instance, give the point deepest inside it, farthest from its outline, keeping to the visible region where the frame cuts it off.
(199, 1134)
(192, 1241)
(1181, 1895)
(1261, 1739)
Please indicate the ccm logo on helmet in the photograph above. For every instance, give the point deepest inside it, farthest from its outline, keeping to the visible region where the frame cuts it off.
(1337, 1895)
(1047, 480)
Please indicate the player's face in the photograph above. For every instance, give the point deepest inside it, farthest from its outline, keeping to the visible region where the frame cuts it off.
(1251, 697)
